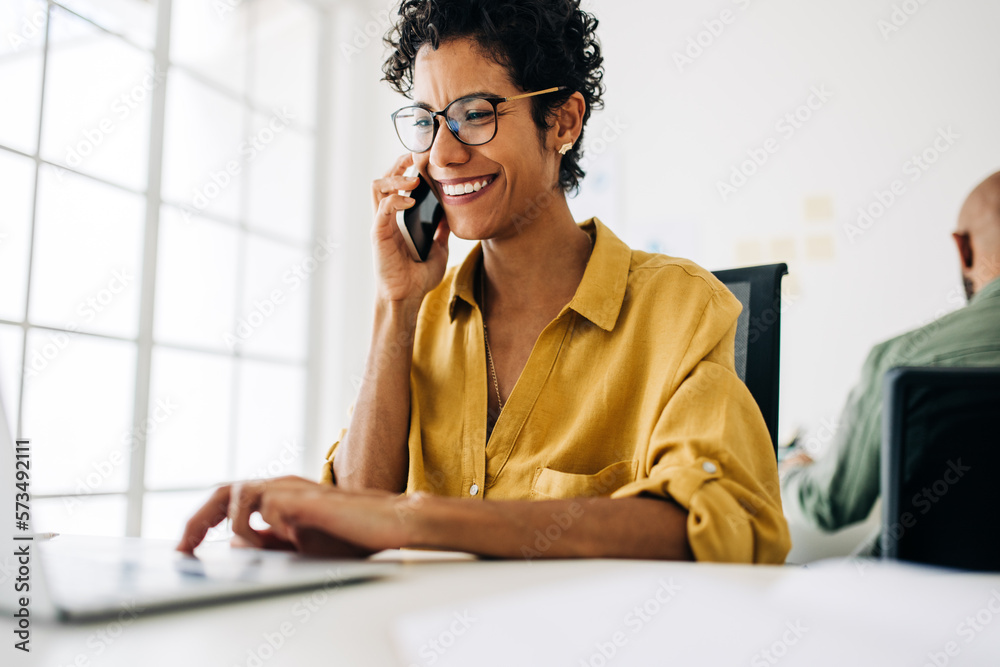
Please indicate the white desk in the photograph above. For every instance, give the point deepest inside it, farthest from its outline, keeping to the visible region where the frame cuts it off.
(566, 612)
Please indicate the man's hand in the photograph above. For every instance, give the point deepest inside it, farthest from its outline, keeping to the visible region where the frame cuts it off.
(797, 460)
(304, 516)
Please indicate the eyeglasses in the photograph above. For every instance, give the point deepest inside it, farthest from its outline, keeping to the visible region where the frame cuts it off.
(473, 121)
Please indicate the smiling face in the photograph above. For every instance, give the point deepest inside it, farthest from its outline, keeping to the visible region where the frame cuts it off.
(483, 188)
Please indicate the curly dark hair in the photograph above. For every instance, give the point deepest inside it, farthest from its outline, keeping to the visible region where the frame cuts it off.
(541, 43)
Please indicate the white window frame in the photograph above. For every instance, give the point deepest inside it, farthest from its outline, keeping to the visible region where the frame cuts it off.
(136, 489)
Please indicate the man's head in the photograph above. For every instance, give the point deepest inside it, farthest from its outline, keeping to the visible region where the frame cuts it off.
(978, 236)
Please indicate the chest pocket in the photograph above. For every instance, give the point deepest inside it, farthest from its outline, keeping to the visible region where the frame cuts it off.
(552, 484)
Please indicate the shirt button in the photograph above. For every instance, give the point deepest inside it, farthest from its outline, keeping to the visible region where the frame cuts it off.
(709, 467)
(474, 489)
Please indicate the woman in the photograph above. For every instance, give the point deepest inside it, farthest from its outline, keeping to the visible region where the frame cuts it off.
(585, 389)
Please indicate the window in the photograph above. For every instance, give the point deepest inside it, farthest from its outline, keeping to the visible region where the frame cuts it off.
(158, 239)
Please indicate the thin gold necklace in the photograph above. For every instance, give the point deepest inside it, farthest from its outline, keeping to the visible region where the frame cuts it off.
(486, 336)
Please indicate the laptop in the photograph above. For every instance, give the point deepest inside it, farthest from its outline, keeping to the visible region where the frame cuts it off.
(940, 454)
(80, 578)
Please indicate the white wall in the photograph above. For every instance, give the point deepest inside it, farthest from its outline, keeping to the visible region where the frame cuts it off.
(888, 99)
(675, 131)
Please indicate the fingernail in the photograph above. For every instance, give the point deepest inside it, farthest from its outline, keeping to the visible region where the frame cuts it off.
(408, 200)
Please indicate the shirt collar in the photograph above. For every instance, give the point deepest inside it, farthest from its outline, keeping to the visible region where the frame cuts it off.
(601, 292)
(991, 288)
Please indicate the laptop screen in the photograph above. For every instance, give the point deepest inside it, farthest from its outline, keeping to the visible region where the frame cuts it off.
(944, 451)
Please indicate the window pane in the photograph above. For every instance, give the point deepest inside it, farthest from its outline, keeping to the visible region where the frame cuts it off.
(11, 345)
(78, 400)
(17, 174)
(189, 409)
(210, 38)
(22, 27)
(165, 513)
(204, 148)
(74, 515)
(271, 417)
(135, 20)
(196, 280)
(284, 76)
(280, 179)
(97, 99)
(272, 319)
(88, 249)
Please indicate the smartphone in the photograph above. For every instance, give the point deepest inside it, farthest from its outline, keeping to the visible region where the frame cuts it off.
(419, 222)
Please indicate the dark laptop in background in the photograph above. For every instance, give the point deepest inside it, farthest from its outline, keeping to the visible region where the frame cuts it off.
(941, 467)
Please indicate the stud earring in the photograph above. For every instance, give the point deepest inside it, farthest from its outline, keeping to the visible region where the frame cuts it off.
(565, 148)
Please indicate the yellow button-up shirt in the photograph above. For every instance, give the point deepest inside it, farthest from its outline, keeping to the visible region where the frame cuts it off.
(630, 390)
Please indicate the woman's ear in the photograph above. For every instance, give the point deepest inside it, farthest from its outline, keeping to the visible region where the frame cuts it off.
(568, 123)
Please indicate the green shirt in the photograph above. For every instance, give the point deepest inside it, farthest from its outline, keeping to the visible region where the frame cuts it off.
(842, 486)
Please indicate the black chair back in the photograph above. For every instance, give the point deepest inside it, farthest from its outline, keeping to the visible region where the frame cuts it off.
(758, 335)
(940, 457)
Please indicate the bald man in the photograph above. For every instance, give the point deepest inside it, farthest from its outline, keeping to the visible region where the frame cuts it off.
(841, 487)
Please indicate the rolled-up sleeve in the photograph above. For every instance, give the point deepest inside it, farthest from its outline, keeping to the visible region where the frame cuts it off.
(710, 452)
(326, 475)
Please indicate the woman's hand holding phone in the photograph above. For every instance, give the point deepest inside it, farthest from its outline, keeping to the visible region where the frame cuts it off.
(399, 278)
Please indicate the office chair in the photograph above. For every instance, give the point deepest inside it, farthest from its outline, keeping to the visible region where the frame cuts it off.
(758, 334)
(940, 457)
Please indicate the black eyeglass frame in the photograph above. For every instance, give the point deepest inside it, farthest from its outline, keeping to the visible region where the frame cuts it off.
(494, 101)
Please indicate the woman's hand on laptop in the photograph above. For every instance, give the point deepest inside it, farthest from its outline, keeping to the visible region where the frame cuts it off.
(303, 516)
